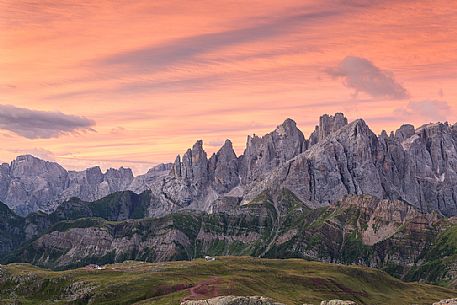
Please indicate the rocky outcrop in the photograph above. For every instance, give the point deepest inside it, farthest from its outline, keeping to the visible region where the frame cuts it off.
(446, 302)
(327, 125)
(233, 300)
(5, 179)
(194, 167)
(338, 302)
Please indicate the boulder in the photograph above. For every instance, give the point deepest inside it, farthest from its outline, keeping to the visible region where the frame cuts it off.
(447, 302)
(233, 300)
(338, 302)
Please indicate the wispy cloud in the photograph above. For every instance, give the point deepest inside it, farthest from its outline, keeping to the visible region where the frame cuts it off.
(34, 124)
(39, 152)
(362, 75)
(427, 110)
(189, 48)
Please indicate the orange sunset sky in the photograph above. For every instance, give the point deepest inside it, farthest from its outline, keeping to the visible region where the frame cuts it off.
(135, 83)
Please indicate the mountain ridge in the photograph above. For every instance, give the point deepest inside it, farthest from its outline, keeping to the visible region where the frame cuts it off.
(390, 235)
(418, 166)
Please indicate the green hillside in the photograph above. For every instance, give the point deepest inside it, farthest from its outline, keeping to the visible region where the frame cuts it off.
(292, 281)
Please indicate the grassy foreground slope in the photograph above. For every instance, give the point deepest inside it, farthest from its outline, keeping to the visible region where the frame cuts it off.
(292, 281)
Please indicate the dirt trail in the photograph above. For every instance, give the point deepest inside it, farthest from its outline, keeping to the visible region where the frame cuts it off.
(204, 290)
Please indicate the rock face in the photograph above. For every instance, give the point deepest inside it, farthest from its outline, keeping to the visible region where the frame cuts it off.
(417, 166)
(11, 230)
(265, 153)
(420, 169)
(144, 182)
(196, 182)
(224, 169)
(233, 300)
(32, 183)
(359, 229)
(92, 184)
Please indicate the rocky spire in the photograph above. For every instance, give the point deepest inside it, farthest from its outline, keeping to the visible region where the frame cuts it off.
(193, 167)
(199, 164)
(223, 167)
(327, 125)
(176, 169)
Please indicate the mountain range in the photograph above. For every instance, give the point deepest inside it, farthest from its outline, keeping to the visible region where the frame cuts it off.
(415, 165)
(344, 195)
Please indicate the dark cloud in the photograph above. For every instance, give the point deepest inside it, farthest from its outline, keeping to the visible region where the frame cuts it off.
(34, 124)
(184, 49)
(431, 110)
(362, 75)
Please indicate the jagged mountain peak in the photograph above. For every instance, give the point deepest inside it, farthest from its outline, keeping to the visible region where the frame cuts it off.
(228, 143)
(198, 145)
(31, 159)
(358, 125)
(27, 157)
(226, 149)
(431, 129)
(287, 128)
(404, 132)
(328, 124)
(384, 134)
(120, 170)
(94, 169)
(288, 125)
(348, 132)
